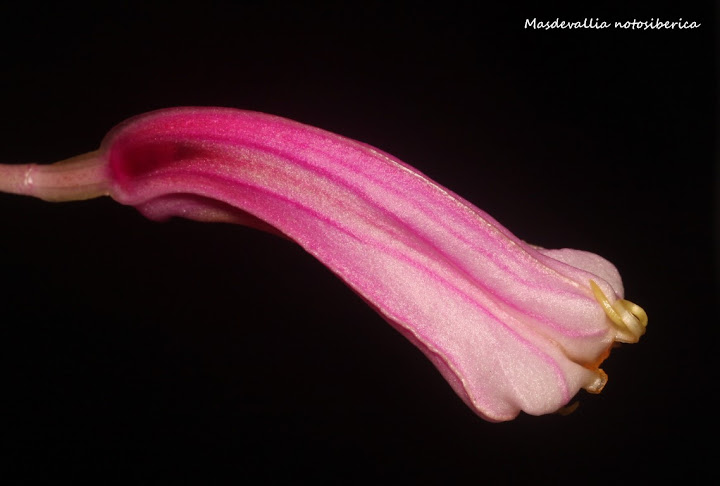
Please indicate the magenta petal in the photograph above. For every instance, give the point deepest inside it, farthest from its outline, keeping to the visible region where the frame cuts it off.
(511, 327)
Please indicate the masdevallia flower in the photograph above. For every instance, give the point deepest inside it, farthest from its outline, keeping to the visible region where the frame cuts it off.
(510, 326)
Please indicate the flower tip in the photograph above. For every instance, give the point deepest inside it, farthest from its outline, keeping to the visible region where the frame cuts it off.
(568, 409)
(628, 317)
(597, 385)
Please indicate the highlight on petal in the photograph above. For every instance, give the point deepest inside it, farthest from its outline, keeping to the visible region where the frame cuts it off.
(512, 327)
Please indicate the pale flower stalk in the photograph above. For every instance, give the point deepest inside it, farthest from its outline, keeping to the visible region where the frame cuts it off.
(512, 327)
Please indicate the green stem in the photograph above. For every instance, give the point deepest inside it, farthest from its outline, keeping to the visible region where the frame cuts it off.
(74, 179)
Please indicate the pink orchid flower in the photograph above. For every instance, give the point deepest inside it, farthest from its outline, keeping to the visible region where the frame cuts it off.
(511, 326)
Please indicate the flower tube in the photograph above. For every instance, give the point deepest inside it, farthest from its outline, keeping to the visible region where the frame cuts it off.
(512, 327)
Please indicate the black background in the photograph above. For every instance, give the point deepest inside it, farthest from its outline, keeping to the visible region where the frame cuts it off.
(144, 353)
